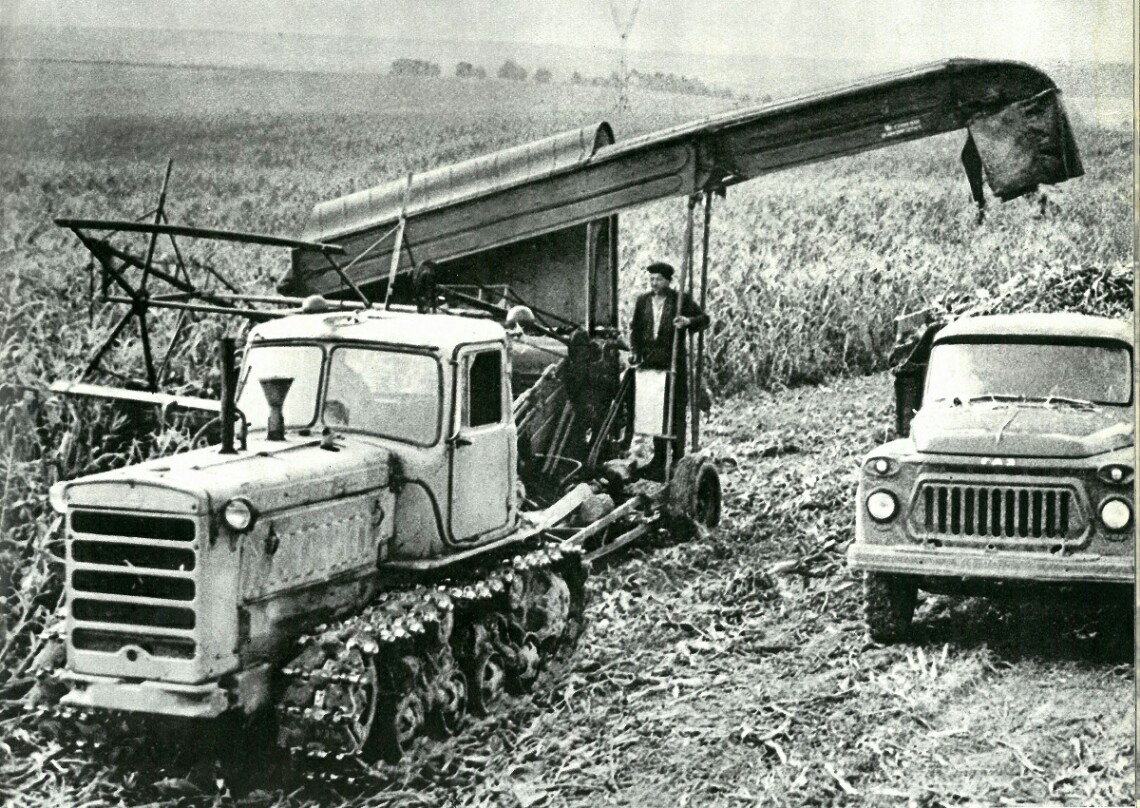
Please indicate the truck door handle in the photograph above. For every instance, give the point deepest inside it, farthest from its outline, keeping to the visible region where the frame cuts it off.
(458, 440)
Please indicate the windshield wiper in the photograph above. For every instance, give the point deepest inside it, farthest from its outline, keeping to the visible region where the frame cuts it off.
(957, 401)
(994, 397)
(1080, 403)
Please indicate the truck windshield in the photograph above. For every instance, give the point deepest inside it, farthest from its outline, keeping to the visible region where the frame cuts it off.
(389, 393)
(301, 363)
(1031, 371)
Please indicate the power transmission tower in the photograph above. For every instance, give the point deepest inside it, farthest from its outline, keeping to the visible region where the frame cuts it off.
(623, 30)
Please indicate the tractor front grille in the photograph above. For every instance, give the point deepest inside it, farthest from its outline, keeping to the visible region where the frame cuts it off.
(133, 583)
(999, 514)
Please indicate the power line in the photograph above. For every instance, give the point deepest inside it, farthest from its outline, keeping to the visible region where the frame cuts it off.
(623, 35)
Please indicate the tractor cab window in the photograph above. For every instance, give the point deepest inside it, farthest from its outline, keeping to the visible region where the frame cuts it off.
(484, 401)
(393, 394)
(1030, 370)
(301, 363)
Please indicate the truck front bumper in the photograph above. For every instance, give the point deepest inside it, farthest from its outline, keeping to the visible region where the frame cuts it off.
(247, 690)
(990, 564)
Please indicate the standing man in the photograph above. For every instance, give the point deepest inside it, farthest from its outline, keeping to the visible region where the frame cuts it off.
(657, 314)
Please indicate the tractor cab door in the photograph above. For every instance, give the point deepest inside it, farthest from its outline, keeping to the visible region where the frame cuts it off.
(482, 445)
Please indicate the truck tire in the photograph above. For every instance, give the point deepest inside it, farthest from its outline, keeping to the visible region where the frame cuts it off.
(888, 605)
(694, 493)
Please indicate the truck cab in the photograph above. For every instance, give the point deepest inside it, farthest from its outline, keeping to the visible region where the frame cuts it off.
(1015, 469)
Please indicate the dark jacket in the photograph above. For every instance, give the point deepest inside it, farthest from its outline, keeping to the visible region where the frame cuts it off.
(657, 353)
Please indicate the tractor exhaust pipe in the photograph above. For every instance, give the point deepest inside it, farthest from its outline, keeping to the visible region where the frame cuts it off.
(275, 389)
(229, 407)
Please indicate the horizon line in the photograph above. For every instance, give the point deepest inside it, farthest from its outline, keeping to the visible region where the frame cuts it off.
(494, 42)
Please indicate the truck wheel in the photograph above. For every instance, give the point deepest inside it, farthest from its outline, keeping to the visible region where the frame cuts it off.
(888, 605)
(695, 492)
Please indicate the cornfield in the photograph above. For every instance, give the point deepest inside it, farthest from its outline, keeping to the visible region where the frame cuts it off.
(808, 269)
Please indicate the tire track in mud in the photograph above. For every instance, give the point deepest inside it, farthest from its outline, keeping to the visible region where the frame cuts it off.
(733, 685)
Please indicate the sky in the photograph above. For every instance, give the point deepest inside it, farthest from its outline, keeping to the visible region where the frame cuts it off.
(906, 30)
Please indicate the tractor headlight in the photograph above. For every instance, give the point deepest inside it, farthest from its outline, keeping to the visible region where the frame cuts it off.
(882, 505)
(57, 498)
(239, 514)
(1116, 514)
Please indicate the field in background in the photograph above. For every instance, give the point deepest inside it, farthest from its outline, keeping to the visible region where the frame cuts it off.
(1099, 92)
(808, 266)
(808, 269)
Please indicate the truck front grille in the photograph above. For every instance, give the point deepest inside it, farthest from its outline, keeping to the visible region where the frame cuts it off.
(132, 582)
(1010, 512)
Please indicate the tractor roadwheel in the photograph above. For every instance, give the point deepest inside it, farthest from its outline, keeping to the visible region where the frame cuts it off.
(486, 682)
(451, 704)
(695, 493)
(888, 605)
(401, 719)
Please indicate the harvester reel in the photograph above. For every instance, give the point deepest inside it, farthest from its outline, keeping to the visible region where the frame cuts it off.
(132, 273)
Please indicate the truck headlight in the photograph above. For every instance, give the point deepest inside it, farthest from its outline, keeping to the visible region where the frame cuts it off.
(882, 505)
(1116, 514)
(1115, 473)
(239, 514)
(881, 466)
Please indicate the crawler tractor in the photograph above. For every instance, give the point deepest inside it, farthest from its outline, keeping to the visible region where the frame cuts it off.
(369, 562)
(423, 451)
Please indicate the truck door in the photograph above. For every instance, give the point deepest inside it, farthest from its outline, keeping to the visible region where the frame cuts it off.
(482, 445)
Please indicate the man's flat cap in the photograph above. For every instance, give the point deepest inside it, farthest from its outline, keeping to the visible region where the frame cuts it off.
(662, 269)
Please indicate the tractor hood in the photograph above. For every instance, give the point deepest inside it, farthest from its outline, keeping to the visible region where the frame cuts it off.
(1021, 429)
(272, 475)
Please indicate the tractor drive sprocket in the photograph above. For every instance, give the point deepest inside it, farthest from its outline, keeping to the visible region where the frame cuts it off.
(422, 657)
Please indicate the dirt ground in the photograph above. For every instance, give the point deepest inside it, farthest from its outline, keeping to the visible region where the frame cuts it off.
(733, 670)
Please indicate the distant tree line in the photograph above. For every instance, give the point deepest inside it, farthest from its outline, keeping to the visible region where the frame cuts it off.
(657, 81)
(466, 70)
(414, 67)
(511, 70)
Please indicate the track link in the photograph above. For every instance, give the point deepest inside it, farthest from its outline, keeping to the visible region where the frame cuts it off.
(420, 659)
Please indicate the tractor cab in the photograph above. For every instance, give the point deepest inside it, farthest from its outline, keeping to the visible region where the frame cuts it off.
(432, 389)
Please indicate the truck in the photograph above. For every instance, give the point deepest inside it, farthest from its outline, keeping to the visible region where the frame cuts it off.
(1013, 472)
(428, 439)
